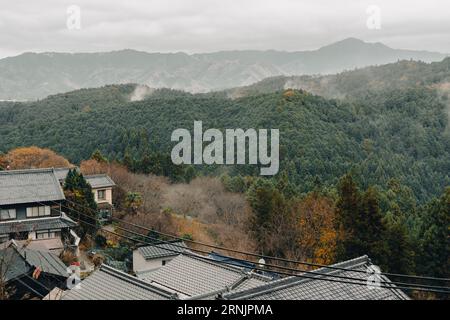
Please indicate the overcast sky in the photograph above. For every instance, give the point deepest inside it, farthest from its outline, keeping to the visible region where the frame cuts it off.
(213, 25)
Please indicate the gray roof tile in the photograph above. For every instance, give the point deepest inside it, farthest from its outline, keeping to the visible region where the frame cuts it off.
(20, 261)
(28, 186)
(46, 261)
(61, 173)
(100, 181)
(15, 265)
(162, 250)
(96, 180)
(194, 275)
(298, 288)
(37, 224)
(110, 284)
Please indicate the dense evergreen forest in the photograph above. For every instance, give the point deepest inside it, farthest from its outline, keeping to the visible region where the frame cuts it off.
(384, 134)
(371, 166)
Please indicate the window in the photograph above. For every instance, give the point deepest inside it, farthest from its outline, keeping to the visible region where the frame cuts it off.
(101, 194)
(48, 234)
(35, 212)
(7, 214)
(164, 262)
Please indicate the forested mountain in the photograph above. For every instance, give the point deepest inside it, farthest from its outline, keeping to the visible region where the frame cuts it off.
(31, 75)
(400, 134)
(364, 160)
(400, 75)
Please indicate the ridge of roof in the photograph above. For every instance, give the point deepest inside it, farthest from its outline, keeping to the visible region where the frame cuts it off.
(162, 249)
(136, 281)
(215, 263)
(296, 280)
(20, 171)
(109, 181)
(97, 175)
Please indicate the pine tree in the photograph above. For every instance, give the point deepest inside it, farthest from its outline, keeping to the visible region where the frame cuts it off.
(372, 231)
(267, 202)
(360, 225)
(347, 218)
(434, 259)
(401, 253)
(128, 161)
(81, 202)
(99, 157)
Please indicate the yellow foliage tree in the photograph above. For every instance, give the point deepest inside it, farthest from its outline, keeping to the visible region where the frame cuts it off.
(317, 234)
(33, 157)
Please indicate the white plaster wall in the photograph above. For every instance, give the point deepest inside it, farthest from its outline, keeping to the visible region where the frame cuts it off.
(142, 265)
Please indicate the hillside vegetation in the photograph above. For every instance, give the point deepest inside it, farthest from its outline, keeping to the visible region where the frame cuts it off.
(349, 84)
(400, 134)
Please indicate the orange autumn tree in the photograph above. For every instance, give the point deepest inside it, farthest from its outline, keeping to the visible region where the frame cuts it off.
(93, 166)
(317, 234)
(33, 157)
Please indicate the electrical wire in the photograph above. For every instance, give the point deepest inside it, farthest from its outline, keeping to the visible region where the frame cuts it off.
(390, 284)
(264, 256)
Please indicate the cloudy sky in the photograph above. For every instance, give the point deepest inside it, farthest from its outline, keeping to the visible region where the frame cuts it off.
(213, 25)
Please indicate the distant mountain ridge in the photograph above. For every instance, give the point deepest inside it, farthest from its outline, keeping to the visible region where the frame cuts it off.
(36, 75)
(393, 76)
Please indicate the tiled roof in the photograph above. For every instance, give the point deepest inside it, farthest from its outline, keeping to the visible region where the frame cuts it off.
(15, 264)
(28, 186)
(20, 261)
(37, 224)
(100, 181)
(162, 250)
(110, 284)
(61, 173)
(46, 261)
(95, 180)
(297, 288)
(193, 275)
(230, 260)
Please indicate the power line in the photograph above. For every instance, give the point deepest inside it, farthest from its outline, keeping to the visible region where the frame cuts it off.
(418, 288)
(263, 256)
